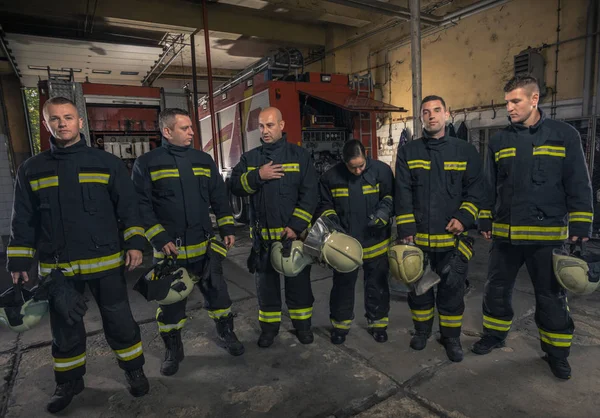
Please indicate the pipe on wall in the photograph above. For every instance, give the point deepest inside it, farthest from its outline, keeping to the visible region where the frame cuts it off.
(415, 54)
(589, 61)
(211, 102)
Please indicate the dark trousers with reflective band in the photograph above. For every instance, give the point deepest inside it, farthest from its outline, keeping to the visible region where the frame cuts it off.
(298, 298)
(216, 301)
(551, 311)
(377, 295)
(449, 300)
(121, 331)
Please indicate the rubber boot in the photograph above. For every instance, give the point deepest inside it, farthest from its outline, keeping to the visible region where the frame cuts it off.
(453, 348)
(266, 339)
(305, 336)
(560, 366)
(63, 395)
(137, 381)
(486, 344)
(338, 336)
(419, 340)
(173, 353)
(227, 336)
(379, 334)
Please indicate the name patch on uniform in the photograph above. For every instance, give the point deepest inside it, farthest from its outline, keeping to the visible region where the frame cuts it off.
(550, 150)
(94, 175)
(368, 189)
(414, 164)
(201, 170)
(291, 167)
(455, 165)
(163, 172)
(340, 192)
(43, 180)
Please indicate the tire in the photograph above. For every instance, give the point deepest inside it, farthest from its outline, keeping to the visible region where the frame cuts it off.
(239, 208)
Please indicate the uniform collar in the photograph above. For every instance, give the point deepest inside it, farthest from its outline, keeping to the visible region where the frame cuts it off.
(519, 127)
(57, 151)
(174, 149)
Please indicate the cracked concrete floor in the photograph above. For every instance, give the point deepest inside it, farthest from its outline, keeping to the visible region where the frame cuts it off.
(360, 378)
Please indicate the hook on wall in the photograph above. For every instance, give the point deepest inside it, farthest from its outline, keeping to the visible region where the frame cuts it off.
(465, 112)
(493, 110)
(452, 115)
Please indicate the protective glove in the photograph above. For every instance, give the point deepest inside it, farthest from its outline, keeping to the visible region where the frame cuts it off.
(455, 272)
(380, 218)
(62, 296)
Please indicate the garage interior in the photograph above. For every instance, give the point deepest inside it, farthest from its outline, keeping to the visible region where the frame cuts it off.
(340, 69)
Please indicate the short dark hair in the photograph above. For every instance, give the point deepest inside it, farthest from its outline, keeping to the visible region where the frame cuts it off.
(353, 149)
(522, 80)
(58, 100)
(431, 98)
(167, 117)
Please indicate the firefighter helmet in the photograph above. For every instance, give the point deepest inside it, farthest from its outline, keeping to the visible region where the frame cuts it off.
(19, 310)
(342, 252)
(166, 283)
(574, 273)
(288, 258)
(406, 263)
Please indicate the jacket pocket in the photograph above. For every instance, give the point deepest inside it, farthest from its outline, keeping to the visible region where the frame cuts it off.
(454, 183)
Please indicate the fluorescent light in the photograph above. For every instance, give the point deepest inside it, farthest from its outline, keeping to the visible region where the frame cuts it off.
(101, 71)
(130, 72)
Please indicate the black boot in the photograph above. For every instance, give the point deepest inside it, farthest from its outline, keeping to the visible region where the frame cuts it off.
(419, 340)
(453, 348)
(486, 344)
(228, 337)
(560, 366)
(63, 395)
(305, 336)
(266, 339)
(173, 353)
(378, 334)
(138, 383)
(338, 336)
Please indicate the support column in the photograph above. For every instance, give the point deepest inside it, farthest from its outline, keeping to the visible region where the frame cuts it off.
(415, 54)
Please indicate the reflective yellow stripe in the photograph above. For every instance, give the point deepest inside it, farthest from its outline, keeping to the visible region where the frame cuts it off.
(414, 164)
(329, 212)
(465, 250)
(538, 233)
(496, 324)
(422, 315)
(170, 327)
(343, 192)
(154, 231)
(245, 185)
(557, 340)
(219, 313)
(451, 321)
(435, 241)
(66, 364)
(269, 316)
(485, 214)
(134, 230)
(300, 314)
(500, 230)
(87, 266)
(251, 168)
(368, 189)
(44, 183)
(378, 323)
(455, 165)
(201, 171)
(504, 153)
(163, 174)
(581, 217)
(376, 250)
(346, 324)
(130, 353)
(291, 167)
(387, 196)
(405, 219)
(26, 252)
(302, 214)
(101, 178)
(471, 208)
(187, 252)
(225, 220)
(216, 247)
(550, 150)
(269, 234)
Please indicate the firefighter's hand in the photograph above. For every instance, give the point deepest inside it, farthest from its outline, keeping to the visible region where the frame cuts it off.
(229, 241)
(486, 234)
(271, 171)
(133, 259)
(408, 240)
(16, 275)
(576, 238)
(288, 233)
(170, 249)
(455, 227)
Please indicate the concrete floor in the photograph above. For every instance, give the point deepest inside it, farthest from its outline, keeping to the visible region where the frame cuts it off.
(360, 378)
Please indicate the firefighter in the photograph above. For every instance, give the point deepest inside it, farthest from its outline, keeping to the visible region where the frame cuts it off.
(357, 193)
(75, 207)
(439, 186)
(281, 181)
(539, 194)
(176, 185)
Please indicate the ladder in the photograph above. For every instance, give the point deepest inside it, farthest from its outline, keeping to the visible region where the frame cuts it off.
(363, 85)
(64, 85)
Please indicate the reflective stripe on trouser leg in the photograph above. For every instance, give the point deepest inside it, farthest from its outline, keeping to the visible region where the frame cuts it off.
(342, 326)
(129, 354)
(377, 291)
(219, 313)
(421, 308)
(299, 299)
(165, 327)
(268, 290)
(341, 300)
(555, 344)
(269, 321)
(378, 323)
(69, 368)
(450, 325)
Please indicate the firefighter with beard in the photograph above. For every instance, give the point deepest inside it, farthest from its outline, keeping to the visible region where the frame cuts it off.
(75, 206)
(282, 184)
(539, 195)
(176, 184)
(438, 193)
(357, 194)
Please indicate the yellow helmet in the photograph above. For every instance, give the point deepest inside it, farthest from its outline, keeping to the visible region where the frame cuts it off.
(19, 310)
(342, 252)
(574, 273)
(406, 263)
(291, 263)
